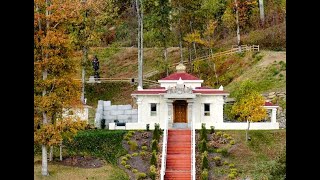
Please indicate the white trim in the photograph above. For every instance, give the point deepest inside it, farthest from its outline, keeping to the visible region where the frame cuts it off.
(185, 81)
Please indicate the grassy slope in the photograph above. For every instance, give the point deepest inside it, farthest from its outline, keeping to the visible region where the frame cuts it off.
(269, 73)
(264, 147)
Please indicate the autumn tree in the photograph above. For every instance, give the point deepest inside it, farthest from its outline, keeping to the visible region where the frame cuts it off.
(54, 72)
(249, 104)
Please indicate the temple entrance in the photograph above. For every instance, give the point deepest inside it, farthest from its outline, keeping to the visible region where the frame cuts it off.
(180, 111)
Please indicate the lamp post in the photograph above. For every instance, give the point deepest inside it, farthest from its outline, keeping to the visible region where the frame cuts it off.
(85, 54)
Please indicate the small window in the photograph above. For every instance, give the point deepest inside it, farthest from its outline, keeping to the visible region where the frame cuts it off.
(153, 109)
(207, 109)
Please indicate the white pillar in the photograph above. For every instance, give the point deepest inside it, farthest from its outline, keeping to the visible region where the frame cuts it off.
(139, 109)
(190, 112)
(274, 115)
(168, 113)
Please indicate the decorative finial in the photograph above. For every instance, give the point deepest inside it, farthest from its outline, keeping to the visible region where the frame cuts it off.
(221, 87)
(181, 68)
(180, 81)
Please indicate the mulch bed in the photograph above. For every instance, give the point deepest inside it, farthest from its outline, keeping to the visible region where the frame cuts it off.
(82, 162)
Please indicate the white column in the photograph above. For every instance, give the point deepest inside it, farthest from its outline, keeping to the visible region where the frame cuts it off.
(168, 113)
(139, 103)
(190, 111)
(274, 115)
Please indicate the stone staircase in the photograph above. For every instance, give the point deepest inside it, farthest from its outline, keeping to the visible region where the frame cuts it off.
(178, 164)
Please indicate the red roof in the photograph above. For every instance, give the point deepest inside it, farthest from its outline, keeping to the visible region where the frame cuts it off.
(209, 92)
(204, 87)
(268, 104)
(184, 76)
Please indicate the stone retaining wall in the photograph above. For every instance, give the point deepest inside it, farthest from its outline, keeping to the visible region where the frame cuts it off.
(274, 97)
(122, 113)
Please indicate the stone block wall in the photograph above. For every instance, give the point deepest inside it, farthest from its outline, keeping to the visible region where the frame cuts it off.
(122, 113)
(274, 97)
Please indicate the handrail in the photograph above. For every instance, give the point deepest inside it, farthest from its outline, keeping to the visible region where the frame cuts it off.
(164, 150)
(193, 149)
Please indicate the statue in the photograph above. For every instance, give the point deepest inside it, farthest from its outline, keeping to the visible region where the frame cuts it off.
(95, 64)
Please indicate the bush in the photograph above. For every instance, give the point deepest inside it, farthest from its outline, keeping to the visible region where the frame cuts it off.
(126, 138)
(135, 154)
(153, 172)
(232, 142)
(211, 129)
(128, 156)
(156, 132)
(203, 146)
(203, 132)
(135, 170)
(225, 163)
(205, 162)
(124, 159)
(141, 175)
(127, 166)
(123, 163)
(231, 176)
(217, 160)
(204, 174)
(231, 165)
(153, 160)
(133, 145)
(219, 150)
(225, 135)
(97, 143)
(103, 123)
(219, 133)
(154, 145)
(224, 152)
(144, 148)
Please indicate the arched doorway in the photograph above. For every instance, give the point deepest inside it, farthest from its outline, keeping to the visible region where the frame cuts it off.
(180, 111)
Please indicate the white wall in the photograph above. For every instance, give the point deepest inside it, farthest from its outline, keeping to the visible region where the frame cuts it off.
(82, 113)
(216, 109)
(241, 126)
(144, 110)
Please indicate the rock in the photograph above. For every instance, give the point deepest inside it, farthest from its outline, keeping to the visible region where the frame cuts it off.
(272, 93)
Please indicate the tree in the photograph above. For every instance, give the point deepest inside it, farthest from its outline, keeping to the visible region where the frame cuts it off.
(249, 104)
(140, 42)
(54, 84)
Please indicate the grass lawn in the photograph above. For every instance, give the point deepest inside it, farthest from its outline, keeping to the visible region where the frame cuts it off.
(57, 171)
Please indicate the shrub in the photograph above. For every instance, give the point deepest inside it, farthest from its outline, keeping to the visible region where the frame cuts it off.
(154, 145)
(135, 154)
(127, 138)
(156, 132)
(128, 156)
(224, 152)
(97, 143)
(203, 132)
(225, 135)
(153, 160)
(123, 163)
(225, 163)
(229, 138)
(133, 145)
(219, 133)
(148, 127)
(143, 153)
(231, 176)
(124, 159)
(127, 166)
(211, 129)
(203, 146)
(205, 162)
(217, 161)
(103, 123)
(232, 142)
(204, 174)
(144, 148)
(141, 175)
(153, 172)
(134, 170)
(219, 150)
(231, 165)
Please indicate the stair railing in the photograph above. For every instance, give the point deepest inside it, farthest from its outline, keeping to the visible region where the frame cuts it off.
(164, 150)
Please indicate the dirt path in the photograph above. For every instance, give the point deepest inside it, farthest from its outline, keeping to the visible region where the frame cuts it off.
(270, 56)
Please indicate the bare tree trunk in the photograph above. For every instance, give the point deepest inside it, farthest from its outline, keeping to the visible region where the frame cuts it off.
(60, 151)
(247, 131)
(51, 153)
(140, 85)
(193, 43)
(261, 9)
(166, 60)
(214, 67)
(141, 39)
(238, 28)
(44, 167)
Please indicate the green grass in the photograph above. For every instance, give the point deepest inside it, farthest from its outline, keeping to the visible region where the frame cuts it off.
(264, 148)
(57, 172)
